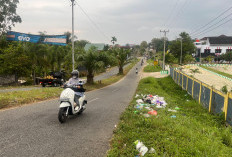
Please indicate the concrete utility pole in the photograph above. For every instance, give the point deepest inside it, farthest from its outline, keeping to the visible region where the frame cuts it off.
(73, 33)
(181, 40)
(165, 32)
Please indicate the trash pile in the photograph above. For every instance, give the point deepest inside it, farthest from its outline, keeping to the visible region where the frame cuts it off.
(148, 102)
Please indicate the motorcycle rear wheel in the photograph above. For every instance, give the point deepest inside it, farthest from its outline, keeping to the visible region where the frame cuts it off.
(62, 115)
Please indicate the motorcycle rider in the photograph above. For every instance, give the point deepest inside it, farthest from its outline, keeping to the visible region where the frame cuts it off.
(74, 81)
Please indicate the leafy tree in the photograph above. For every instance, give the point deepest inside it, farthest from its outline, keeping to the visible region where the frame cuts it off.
(15, 62)
(114, 39)
(80, 44)
(92, 60)
(158, 44)
(8, 15)
(227, 56)
(187, 46)
(121, 58)
(143, 47)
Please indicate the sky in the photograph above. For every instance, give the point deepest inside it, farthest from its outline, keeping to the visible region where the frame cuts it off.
(130, 21)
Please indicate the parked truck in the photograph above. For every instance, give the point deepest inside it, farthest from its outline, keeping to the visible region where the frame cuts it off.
(54, 79)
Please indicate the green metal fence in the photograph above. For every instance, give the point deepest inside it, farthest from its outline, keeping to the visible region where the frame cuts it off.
(215, 101)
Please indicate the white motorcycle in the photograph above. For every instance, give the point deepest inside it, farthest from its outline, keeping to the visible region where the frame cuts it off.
(67, 103)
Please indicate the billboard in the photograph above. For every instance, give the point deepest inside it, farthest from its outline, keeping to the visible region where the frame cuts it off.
(45, 39)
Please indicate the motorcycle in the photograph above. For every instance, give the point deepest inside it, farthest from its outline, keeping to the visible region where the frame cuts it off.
(67, 103)
(136, 70)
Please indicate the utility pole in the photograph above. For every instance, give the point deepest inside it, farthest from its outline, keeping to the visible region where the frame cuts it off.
(165, 32)
(181, 40)
(73, 33)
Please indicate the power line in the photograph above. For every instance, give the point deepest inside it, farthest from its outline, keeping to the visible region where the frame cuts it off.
(216, 27)
(197, 30)
(213, 25)
(171, 13)
(96, 26)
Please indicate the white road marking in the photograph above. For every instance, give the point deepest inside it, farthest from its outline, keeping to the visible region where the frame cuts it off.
(93, 100)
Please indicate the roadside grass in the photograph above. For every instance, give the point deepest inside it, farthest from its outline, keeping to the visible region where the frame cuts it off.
(151, 68)
(194, 131)
(17, 98)
(216, 71)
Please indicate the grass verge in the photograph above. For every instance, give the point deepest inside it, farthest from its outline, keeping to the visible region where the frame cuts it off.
(216, 71)
(194, 132)
(151, 68)
(17, 98)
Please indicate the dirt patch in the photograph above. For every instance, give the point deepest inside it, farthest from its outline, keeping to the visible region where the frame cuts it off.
(207, 77)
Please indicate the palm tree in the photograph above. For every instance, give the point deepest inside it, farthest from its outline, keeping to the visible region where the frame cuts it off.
(92, 60)
(121, 58)
(114, 39)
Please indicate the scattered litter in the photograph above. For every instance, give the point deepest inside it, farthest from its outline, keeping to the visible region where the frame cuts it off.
(136, 96)
(153, 112)
(152, 151)
(141, 147)
(172, 110)
(115, 126)
(173, 116)
(139, 101)
(148, 108)
(146, 115)
(177, 108)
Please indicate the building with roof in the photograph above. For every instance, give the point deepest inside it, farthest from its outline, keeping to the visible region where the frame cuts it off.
(214, 46)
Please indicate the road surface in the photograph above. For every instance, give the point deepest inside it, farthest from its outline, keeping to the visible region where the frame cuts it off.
(34, 130)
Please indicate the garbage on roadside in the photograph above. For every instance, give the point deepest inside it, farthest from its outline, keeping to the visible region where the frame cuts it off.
(152, 151)
(177, 108)
(153, 112)
(173, 116)
(141, 147)
(152, 100)
(170, 110)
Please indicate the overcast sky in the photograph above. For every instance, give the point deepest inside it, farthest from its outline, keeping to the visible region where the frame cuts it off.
(130, 21)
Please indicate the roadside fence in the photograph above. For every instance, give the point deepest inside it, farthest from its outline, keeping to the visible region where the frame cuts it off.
(214, 100)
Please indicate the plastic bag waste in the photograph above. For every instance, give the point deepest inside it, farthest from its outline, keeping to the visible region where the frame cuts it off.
(152, 151)
(173, 116)
(153, 112)
(170, 110)
(141, 147)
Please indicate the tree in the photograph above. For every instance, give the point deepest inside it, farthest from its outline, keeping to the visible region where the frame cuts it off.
(187, 46)
(114, 39)
(227, 56)
(143, 47)
(121, 58)
(92, 60)
(158, 44)
(15, 62)
(8, 15)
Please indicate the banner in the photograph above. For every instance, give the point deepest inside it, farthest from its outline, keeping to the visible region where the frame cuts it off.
(46, 39)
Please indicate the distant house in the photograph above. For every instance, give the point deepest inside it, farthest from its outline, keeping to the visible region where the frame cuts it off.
(99, 46)
(213, 45)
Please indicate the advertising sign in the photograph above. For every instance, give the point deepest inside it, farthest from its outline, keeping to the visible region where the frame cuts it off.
(46, 39)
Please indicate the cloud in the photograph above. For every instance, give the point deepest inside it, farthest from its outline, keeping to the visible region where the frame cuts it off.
(131, 21)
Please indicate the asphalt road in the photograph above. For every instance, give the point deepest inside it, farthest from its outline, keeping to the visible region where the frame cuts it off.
(34, 130)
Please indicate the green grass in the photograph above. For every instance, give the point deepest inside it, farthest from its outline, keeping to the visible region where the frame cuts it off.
(194, 132)
(216, 71)
(151, 68)
(17, 98)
